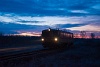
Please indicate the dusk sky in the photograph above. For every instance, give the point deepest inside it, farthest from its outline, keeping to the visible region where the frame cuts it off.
(32, 16)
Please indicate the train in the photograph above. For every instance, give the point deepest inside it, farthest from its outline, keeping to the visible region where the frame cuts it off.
(55, 38)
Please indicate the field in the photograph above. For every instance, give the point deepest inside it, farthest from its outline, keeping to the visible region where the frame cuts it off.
(84, 53)
(18, 41)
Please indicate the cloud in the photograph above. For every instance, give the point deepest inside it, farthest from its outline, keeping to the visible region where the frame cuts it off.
(68, 25)
(79, 11)
(35, 15)
(16, 23)
(48, 7)
(86, 28)
(12, 28)
(25, 33)
(48, 20)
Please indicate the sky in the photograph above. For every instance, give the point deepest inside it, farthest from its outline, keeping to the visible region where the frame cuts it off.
(33, 16)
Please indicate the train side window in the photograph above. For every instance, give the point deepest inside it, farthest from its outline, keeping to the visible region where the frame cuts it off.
(63, 34)
(66, 34)
(71, 36)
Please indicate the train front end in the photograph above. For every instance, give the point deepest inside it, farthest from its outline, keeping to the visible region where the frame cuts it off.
(50, 38)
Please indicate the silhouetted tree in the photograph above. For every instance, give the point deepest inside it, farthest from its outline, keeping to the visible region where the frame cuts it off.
(83, 34)
(92, 35)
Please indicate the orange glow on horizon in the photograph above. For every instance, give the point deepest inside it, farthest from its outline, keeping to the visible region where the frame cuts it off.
(86, 37)
(28, 34)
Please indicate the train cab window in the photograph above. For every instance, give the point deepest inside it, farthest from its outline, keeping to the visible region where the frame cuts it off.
(49, 33)
(55, 33)
(58, 33)
(61, 34)
(46, 34)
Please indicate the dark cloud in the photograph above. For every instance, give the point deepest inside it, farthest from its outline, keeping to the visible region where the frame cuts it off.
(69, 25)
(93, 11)
(13, 28)
(12, 6)
(40, 7)
(23, 21)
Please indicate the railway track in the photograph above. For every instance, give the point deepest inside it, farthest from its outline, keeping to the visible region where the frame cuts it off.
(24, 58)
(37, 53)
(20, 55)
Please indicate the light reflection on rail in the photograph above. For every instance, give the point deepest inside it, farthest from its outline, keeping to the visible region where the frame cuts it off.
(7, 51)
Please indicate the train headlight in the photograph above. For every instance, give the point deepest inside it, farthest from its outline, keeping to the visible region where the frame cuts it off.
(48, 29)
(56, 39)
(42, 39)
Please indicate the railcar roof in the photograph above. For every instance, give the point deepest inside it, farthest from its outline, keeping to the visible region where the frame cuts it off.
(58, 30)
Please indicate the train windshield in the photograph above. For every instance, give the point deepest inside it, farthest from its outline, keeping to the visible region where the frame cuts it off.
(49, 33)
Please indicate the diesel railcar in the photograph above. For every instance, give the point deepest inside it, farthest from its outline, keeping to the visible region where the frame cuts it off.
(52, 38)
